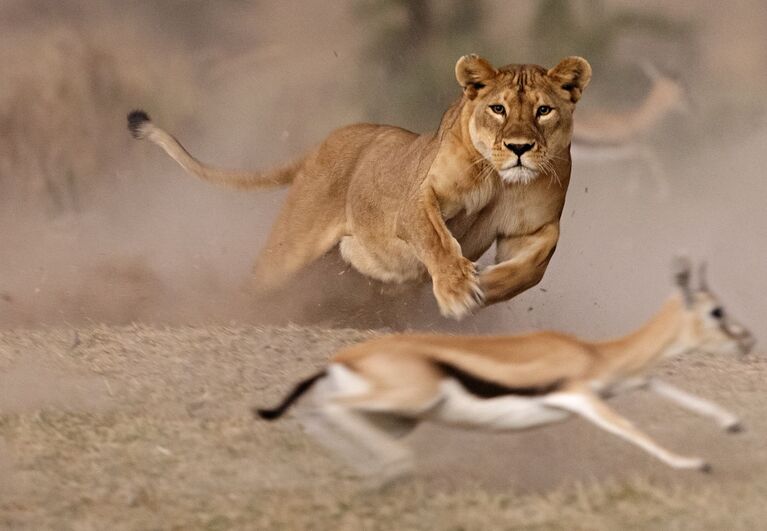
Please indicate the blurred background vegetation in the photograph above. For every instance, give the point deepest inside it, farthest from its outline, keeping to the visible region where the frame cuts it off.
(73, 67)
(411, 43)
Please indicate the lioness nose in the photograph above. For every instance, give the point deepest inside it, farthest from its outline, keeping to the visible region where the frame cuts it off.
(520, 149)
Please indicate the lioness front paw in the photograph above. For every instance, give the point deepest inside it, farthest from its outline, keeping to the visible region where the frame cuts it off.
(457, 290)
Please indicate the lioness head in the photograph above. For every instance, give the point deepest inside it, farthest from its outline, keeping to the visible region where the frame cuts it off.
(522, 115)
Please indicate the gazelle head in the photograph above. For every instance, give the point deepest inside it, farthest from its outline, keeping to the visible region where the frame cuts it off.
(667, 92)
(708, 326)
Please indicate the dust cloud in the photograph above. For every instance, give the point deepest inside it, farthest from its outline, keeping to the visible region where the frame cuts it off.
(99, 228)
(98, 231)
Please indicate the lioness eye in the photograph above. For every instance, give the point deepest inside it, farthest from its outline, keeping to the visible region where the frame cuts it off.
(543, 110)
(717, 313)
(498, 108)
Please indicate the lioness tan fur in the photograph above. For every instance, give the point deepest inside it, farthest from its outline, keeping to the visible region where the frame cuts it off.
(400, 205)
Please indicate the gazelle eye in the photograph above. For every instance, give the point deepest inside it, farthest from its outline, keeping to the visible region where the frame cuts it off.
(498, 109)
(717, 313)
(543, 110)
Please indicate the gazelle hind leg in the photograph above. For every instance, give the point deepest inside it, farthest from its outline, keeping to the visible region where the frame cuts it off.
(327, 434)
(322, 428)
(395, 426)
(592, 408)
(369, 420)
(363, 444)
(393, 411)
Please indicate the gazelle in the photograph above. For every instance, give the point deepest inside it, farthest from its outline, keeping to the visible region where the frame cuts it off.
(603, 136)
(372, 393)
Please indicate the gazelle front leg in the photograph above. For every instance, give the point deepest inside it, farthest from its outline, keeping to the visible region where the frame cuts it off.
(591, 407)
(724, 418)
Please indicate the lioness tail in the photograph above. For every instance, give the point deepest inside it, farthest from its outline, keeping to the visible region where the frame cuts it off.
(141, 127)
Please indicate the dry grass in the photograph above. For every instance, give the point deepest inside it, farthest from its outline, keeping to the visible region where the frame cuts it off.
(138, 427)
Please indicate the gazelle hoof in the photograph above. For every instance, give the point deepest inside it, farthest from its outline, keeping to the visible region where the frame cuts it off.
(691, 463)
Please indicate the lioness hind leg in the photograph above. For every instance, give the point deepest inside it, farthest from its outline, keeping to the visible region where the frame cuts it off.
(298, 238)
(283, 258)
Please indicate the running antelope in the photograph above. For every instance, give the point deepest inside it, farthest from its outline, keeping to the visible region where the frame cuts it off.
(603, 136)
(374, 392)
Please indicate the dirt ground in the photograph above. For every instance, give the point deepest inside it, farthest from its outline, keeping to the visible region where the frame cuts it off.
(149, 428)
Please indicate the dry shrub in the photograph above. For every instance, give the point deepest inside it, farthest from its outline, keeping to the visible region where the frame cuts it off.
(63, 98)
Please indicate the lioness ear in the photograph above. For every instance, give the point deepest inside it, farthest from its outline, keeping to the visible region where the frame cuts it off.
(473, 73)
(572, 75)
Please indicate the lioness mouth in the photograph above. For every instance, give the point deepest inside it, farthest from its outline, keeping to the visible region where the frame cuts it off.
(518, 173)
(520, 165)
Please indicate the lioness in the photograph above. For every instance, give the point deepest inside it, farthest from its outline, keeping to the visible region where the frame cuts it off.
(400, 204)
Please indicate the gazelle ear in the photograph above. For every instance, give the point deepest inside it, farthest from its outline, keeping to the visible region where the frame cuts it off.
(702, 276)
(473, 72)
(682, 269)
